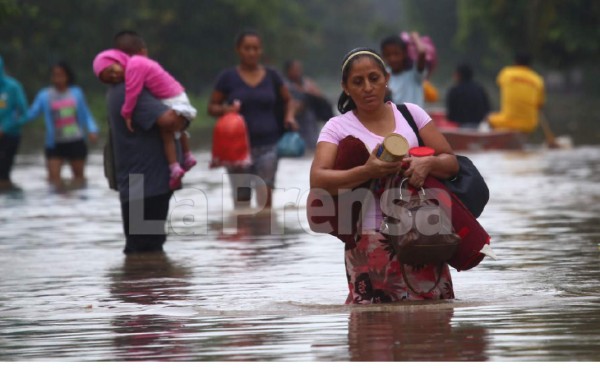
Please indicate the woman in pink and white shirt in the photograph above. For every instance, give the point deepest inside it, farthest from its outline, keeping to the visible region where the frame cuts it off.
(373, 269)
(139, 72)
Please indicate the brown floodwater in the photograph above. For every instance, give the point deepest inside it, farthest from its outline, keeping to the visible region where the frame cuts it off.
(264, 288)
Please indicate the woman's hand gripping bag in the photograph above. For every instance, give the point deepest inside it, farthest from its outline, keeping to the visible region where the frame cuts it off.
(338, 215)
(231, 146)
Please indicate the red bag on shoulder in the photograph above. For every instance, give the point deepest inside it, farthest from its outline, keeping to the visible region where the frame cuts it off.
(231, 146)
(473, 236)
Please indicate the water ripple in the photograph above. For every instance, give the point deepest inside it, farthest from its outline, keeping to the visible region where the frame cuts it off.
(268, 290)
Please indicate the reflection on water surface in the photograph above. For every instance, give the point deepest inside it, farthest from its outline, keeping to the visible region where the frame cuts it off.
(265, 289)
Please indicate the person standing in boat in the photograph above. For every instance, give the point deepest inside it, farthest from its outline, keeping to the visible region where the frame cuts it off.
(406, 77)
(467, 102)
(521, 97)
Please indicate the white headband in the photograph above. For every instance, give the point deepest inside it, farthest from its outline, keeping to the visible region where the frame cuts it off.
(362, 52)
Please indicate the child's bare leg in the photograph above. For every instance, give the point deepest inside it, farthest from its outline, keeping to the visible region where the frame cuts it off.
(188, 159)
(185, 143)
(169, 145)
(175, 170)
(172, 122)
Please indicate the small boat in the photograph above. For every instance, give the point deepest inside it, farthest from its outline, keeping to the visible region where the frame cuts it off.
(472, 139)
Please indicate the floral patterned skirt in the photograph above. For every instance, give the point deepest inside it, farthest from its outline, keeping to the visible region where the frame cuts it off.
(375, 275)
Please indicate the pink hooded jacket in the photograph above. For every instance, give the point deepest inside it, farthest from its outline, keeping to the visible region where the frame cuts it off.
(140, 72)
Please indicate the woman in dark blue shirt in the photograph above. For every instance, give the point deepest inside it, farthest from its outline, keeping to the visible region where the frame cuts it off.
(258, 94)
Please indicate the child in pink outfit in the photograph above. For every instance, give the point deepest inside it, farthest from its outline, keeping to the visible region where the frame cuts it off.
(139, 72)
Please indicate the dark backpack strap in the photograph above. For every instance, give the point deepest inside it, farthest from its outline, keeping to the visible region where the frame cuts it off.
(411, 121)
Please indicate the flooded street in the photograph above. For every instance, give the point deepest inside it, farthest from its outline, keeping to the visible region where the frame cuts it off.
(267, 289)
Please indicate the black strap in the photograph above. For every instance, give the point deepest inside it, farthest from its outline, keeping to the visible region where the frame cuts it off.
(411, 121)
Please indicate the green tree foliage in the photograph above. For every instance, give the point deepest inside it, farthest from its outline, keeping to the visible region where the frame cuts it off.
(558, 33)
(438, 20)
(193, 39)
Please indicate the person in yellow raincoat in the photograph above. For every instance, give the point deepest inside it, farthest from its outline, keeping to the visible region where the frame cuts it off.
(521, 97)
